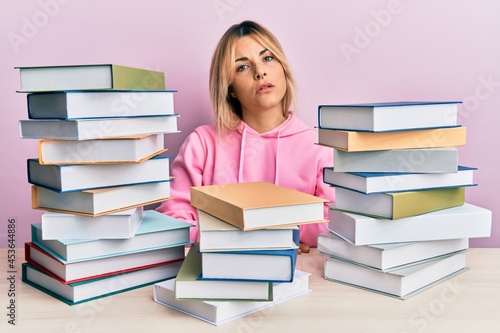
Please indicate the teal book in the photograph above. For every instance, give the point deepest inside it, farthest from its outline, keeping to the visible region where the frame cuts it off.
(88, 290)
(156, 230)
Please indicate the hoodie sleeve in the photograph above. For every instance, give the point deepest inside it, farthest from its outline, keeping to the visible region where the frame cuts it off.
(187, 170)
(309, 232)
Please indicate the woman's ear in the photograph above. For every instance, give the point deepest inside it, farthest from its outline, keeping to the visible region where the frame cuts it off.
(231, 91)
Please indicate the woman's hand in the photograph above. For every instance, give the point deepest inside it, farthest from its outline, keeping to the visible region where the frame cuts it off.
(303, 248)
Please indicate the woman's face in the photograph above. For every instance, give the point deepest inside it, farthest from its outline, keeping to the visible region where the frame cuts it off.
(259, 81)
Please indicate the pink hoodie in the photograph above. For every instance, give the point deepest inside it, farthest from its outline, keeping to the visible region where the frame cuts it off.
(286, 155)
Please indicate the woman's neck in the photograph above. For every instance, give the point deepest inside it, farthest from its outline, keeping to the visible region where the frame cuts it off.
(263, 122)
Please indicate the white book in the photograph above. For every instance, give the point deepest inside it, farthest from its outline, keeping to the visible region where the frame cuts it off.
(390, 256)
(391, 116)
(156, 230)
(221, 312)
(100, 201)
(96, 128)
(418, 160)
(382, 182)
(402, 283)
(120, 225)
(466, 221)
(71, 272)
(78, 177)
(99, 104)
(133, 149)
(216, 235)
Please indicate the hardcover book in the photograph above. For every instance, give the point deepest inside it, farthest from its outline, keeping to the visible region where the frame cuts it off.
(399, 204)
(382, 182)
(402, 283)
(79, 292)
(389, 256)
(419, 160)
(466, 221)
(217, 235)
(221, 312)
(156, 230)
(257, 265)
(189, 286)
(72, 272)
(89, 77)
(133, 149)
(118, 225)
(100, 201)
(364, 141)
(100, 104)
(258, 205)
(96, 128)
(392, 116)
(79, 177)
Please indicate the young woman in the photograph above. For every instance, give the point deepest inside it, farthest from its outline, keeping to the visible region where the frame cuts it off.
(256, 137)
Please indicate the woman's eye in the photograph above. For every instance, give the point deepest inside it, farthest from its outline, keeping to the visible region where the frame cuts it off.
(241, 68)
(268, 58)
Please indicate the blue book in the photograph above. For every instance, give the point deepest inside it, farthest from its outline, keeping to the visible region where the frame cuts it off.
(79, 177)
(156, 231)
(391, 116)
(253, 265)
(382, 182)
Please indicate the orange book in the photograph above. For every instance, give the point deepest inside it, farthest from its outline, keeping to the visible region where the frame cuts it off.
(367, 141)
(258, 205)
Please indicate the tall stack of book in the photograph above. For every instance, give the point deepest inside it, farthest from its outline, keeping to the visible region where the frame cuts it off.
(101, 138)
(245, 257)
(400, 223)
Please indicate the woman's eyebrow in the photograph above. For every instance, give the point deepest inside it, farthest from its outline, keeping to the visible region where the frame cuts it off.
(246, 58)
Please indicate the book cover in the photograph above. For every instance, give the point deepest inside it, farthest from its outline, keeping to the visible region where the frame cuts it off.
(418, 160)
(221, 312)
(402, 283)
(99, 104)
(382, 182)
(258, 205)
(79, 177)
(156, 230)
(466, 221)
(188, 286)
(398, 204)
(79, 292)
(102, 201)
(96, 128)
(133, 149)
(366, 141)
(389, 256)
(72, 272)
(110, 226)
(89, 77)
(217, 235)
(391, 116)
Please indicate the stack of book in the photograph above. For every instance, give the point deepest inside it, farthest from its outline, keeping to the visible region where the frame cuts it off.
(101, 135)
(400, 223)
(245, 257)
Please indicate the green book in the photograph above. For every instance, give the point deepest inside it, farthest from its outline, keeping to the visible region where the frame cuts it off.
(89, 77)
(189, 286)
(400, 204)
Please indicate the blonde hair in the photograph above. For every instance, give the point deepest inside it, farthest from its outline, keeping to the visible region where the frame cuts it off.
(228, 110)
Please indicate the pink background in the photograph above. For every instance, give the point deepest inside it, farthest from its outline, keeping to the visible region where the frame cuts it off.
(341, 52)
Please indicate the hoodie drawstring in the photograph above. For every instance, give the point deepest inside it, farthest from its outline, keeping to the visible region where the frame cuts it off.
(242, 153)
(276, 173)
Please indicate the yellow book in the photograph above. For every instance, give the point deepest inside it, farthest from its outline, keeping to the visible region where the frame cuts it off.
(399, 204)
(258, 205)
(366, 141)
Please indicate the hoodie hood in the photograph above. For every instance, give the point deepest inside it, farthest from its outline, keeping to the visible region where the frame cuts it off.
(267, 143)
